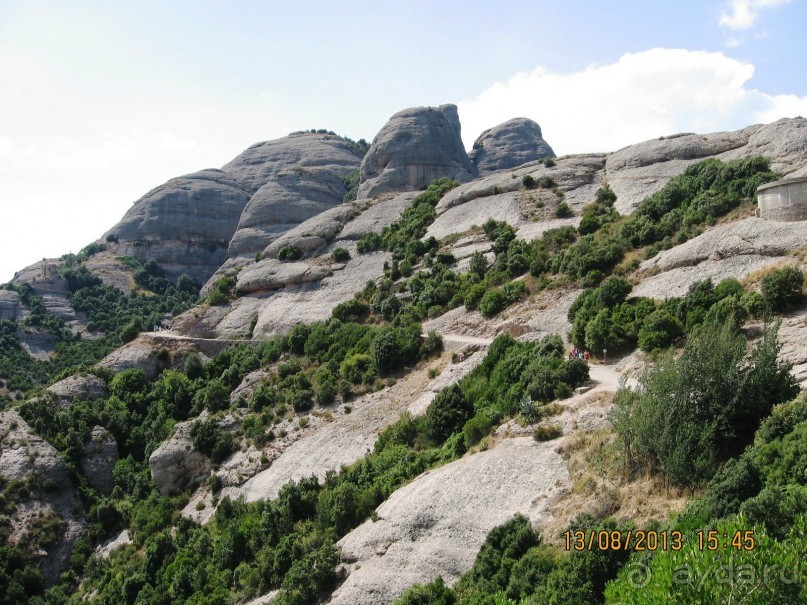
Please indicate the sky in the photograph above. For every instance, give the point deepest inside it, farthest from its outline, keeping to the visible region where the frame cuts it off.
(103, 100)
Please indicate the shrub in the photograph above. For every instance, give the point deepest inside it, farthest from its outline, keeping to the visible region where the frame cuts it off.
(528, 182)
(563, 210)
(355, 367)
(289, 253)
(211, 439)
(659, 330)
(781, 288)
(476, 428)
(690, 412)
(340, 255)
(605, 195)
(352, 310)
(369, 242)
(547, 432)
(447, 414)
(492, 302)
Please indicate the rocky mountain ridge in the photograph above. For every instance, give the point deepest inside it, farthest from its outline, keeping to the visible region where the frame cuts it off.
(237, 222)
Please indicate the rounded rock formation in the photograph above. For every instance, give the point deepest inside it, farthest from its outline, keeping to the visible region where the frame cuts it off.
(414, 148)
(508, 145)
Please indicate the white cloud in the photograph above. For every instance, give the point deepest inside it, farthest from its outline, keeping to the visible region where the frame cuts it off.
(742, 14)
(639, 97)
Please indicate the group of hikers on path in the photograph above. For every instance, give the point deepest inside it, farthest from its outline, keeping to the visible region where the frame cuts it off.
(576, 353)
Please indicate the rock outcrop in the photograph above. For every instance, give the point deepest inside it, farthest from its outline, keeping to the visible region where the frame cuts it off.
(98, 461)
(80, 386)
(415, 147)
(10, 304)
(189, 223)
(253, 168)
(287, 200)
(185, 224)
(730, 250)
(25, 456)
(640, 170)
(509, 145)
(176, 464)
(435, 525)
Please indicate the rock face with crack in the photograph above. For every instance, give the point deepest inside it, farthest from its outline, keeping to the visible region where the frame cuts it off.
(189, 223)
(415, 147)
(435, 525)
(287, 200)
(509, 145)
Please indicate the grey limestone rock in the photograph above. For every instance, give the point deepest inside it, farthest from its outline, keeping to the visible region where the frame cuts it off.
(314, 233)
(80, 386)
(176, 464)
(24, 455)
(640, 170)
(284, 202)
(98, 461)
(9, 304)
(508, 145)
(140, 354)
(270, 274)
(257, 165)
(185, 224)
(415, 147)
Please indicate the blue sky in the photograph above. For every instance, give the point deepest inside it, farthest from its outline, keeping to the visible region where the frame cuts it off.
(101, 101)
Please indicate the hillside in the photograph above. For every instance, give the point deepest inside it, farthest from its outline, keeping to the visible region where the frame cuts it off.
(329, 371)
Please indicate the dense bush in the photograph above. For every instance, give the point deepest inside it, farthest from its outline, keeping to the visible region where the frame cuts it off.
(447, 414)
(781, 288)
(289, 253)
(690, 413)
(340, 255)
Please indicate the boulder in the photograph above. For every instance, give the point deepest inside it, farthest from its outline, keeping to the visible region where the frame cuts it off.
(98, 461)
(80, 386)
(314, 233)
(140, 354)
(270, 274)
(176, 464)
(508, 145)
(415, 147)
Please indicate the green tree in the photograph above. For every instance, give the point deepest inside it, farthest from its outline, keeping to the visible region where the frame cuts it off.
(447, 414)
(781, 288)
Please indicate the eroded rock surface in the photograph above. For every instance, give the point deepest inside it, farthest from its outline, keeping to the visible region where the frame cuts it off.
(435, 525)
(176, 464)
(415, 147)
(185, 224)
(80, 386)
(98, 461)
(729, 250)
(508, 145)
(27, 457)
